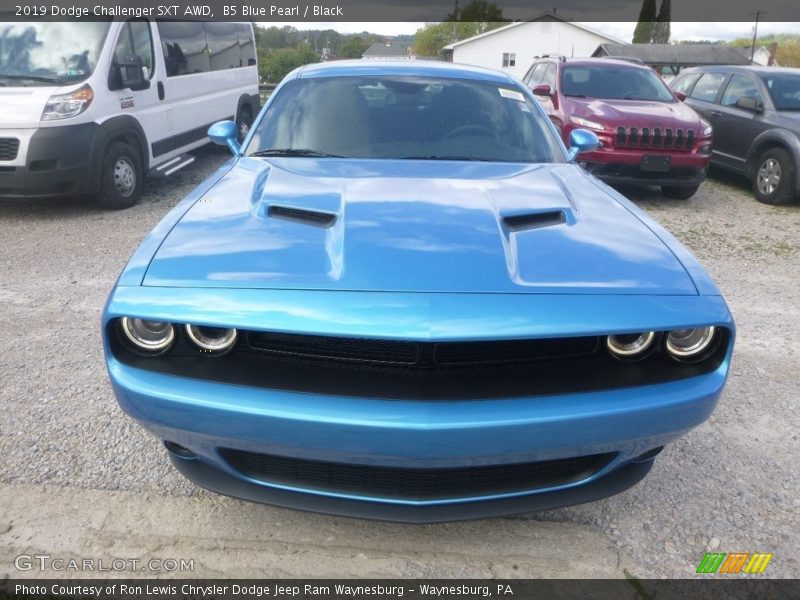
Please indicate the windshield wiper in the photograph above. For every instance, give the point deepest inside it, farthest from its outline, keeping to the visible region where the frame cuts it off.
(294, 152)
(447, 157)
(32, 78)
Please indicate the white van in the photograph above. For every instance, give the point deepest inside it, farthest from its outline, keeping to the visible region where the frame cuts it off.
(93, 107)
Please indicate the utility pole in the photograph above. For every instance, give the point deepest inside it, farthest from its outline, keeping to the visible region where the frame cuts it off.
(755, 34)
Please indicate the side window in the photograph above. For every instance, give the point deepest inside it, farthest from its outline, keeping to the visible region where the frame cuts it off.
(738, 86)
(223, 46)
(247, 44)
(707, 87)
(185, 47)
(536, 74)
(550, 76)
(682, 84)
(135, 41)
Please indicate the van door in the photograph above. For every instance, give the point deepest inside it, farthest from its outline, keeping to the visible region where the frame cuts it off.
(135, 44)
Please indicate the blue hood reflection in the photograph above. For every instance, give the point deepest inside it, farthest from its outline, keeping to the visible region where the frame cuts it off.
(414, 226)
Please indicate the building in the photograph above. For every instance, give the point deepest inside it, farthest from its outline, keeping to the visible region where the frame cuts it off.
(514, 47)
(669, 59)
(387, 50)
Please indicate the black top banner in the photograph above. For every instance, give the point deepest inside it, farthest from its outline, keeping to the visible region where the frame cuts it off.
(631, 588)
(277, 11)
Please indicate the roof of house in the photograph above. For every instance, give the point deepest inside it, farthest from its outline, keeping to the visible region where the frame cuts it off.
(546, 16)
(386, 49)
(678, 54)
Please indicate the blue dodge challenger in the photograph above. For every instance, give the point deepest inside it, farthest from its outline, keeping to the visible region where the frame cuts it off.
(403, 299)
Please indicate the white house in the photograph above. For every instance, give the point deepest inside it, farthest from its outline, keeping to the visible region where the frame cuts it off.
(514, 47)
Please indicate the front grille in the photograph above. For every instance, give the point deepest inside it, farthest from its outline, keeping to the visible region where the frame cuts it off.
(655, 137)
(404, 370)
(414, 484)
(9, 148)
(416, 355)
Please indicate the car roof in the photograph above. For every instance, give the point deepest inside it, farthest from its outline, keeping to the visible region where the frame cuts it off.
(760, 69)
(431, 68)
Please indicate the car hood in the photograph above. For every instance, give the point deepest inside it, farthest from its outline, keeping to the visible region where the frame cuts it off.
(429, 226)
(23, 106)
(636, 113)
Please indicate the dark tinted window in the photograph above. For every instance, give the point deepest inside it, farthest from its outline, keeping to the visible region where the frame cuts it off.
(784, 89)
(682, 84)
(135, 42)
(708, 86)
(185, 47)
(246, 44)
(615, 83)
(393, 117)
(738, 86)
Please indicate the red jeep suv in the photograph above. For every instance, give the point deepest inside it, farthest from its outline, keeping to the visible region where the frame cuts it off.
(648, 135)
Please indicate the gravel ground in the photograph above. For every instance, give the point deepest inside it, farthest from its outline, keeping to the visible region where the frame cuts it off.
(733, 484)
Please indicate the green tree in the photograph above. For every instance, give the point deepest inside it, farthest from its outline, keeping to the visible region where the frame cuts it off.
(352, 47)
(645, 28)
(276, 64)
(430, 39)
(662, 31)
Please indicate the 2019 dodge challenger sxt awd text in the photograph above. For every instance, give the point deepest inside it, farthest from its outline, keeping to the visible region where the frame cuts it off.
(402, 299)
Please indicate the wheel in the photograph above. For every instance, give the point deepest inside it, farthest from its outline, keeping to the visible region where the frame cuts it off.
(679, 192)
(244, 120)
(773, 180)
(121, 177)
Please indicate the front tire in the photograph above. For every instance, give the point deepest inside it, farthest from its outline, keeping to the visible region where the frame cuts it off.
(244, 120)
(679, 192)
(773, 180)
(121, 177)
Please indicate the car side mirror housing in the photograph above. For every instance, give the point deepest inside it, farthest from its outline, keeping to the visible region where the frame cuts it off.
(582, 140)
(226, 133)
(543, 89)
(132, 74)
(752, 103)
(680, 96)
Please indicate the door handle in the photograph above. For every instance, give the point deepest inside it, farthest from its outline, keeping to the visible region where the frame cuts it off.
(715, 113)
(160, 87)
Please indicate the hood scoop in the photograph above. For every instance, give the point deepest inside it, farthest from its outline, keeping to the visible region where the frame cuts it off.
(314, 218)
(525, 222)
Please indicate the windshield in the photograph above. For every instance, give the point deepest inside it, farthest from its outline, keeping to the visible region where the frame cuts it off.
(42, 53)
(614, 83)
(784, 90)
(393, 117)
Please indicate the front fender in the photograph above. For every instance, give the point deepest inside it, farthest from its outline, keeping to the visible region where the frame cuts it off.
(774, 137)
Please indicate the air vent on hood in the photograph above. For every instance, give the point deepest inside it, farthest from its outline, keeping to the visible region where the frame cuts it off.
(535, 220)
(298, 215)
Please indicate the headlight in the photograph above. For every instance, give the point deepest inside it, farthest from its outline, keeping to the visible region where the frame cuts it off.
(152, 336)
(212, 339)
(708, 131)
(581, 122)
(630, 346)
(689, 344)
(64, 106)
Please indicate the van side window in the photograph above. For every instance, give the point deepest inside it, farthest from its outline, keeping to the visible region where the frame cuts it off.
(247, 44)
(185, 47)
(224, 51)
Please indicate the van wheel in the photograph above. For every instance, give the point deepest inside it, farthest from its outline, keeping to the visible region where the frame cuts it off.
(679, 192)
(244, 120)
(121, 177)
(773, 180)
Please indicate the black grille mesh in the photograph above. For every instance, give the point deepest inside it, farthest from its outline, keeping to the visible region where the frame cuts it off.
(414, 484)
(9, 148)
(656, 137)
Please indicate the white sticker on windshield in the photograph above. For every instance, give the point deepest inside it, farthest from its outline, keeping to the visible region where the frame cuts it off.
(513, 94)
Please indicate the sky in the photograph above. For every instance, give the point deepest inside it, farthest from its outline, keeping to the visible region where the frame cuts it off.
(680, 31)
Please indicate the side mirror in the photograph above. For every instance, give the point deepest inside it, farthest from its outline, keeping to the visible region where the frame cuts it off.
(582, 140)
(680, 96)
(543, 89)
(225, 133)
(132, 74)
(752, 103)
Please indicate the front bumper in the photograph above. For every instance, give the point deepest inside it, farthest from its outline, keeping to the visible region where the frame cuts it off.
(622, 166)
(208, 419)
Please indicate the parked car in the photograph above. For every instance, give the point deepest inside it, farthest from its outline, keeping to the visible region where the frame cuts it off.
(412, 305)
(648, 136)
(90, 108)
(755, 112)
